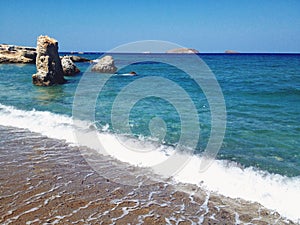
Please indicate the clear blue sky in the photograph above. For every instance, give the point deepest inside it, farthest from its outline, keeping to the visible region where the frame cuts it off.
(209, 26)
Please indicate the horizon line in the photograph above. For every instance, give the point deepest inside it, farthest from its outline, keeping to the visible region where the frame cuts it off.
(146, 53)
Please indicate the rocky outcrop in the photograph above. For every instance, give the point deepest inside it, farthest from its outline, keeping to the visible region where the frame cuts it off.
(231, 52)
(48, 64)
(183, 50)
(105, 65)
(22, 54)
(69, 68)
(17, 54)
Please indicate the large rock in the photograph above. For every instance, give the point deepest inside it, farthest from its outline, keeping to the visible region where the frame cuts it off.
(105, 65)
(48, 64)
(17, 54)
(183, 50)
(69, 68)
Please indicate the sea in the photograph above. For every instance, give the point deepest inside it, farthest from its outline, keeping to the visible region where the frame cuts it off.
(143, 119)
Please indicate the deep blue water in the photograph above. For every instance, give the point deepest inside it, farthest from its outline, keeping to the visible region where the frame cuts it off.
(261, 92)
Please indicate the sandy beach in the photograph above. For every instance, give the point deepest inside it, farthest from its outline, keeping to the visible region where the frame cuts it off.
(50, 182)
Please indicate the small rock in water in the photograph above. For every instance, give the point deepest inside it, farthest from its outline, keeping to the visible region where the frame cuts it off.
(76, 58)
(132, 73)
(105, 65)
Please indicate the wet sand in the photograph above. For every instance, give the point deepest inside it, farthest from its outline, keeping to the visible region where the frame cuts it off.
(45, 180)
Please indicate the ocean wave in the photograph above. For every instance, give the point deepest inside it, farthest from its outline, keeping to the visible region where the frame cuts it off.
(274, 191)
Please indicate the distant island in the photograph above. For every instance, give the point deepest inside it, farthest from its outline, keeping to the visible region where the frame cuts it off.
(231, 52)
(183, 50)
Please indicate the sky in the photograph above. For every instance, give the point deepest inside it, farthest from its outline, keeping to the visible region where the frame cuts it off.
(208, 26)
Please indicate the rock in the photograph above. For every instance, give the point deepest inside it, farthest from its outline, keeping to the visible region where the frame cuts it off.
(69, 68)
(231, 52)
(17, 54)
(22, 54)
(183, 50)
(105, 65)
(76, 58)
(48, 64)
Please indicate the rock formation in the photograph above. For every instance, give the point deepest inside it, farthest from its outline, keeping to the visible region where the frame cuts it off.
(231, 52)
(17, 54)
(48, 64)
(69, 68)
(105, 65)
(183, 50)
(21, 54)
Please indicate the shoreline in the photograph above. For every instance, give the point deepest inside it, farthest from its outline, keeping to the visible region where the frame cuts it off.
(54, 183)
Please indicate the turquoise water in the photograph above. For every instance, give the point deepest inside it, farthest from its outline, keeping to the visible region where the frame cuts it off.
(261, 91)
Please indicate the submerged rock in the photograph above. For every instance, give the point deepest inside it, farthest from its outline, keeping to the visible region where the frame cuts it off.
(69, 68)
(48, 64)
(183, 50)
(105, 65)
(17, 54)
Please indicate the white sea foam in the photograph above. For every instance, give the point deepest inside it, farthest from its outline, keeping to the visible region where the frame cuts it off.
(46, 123)
(271, 190)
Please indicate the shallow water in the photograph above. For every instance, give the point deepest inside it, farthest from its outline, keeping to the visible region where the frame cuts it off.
(45, 180)
(261, 92)
(259, 158)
